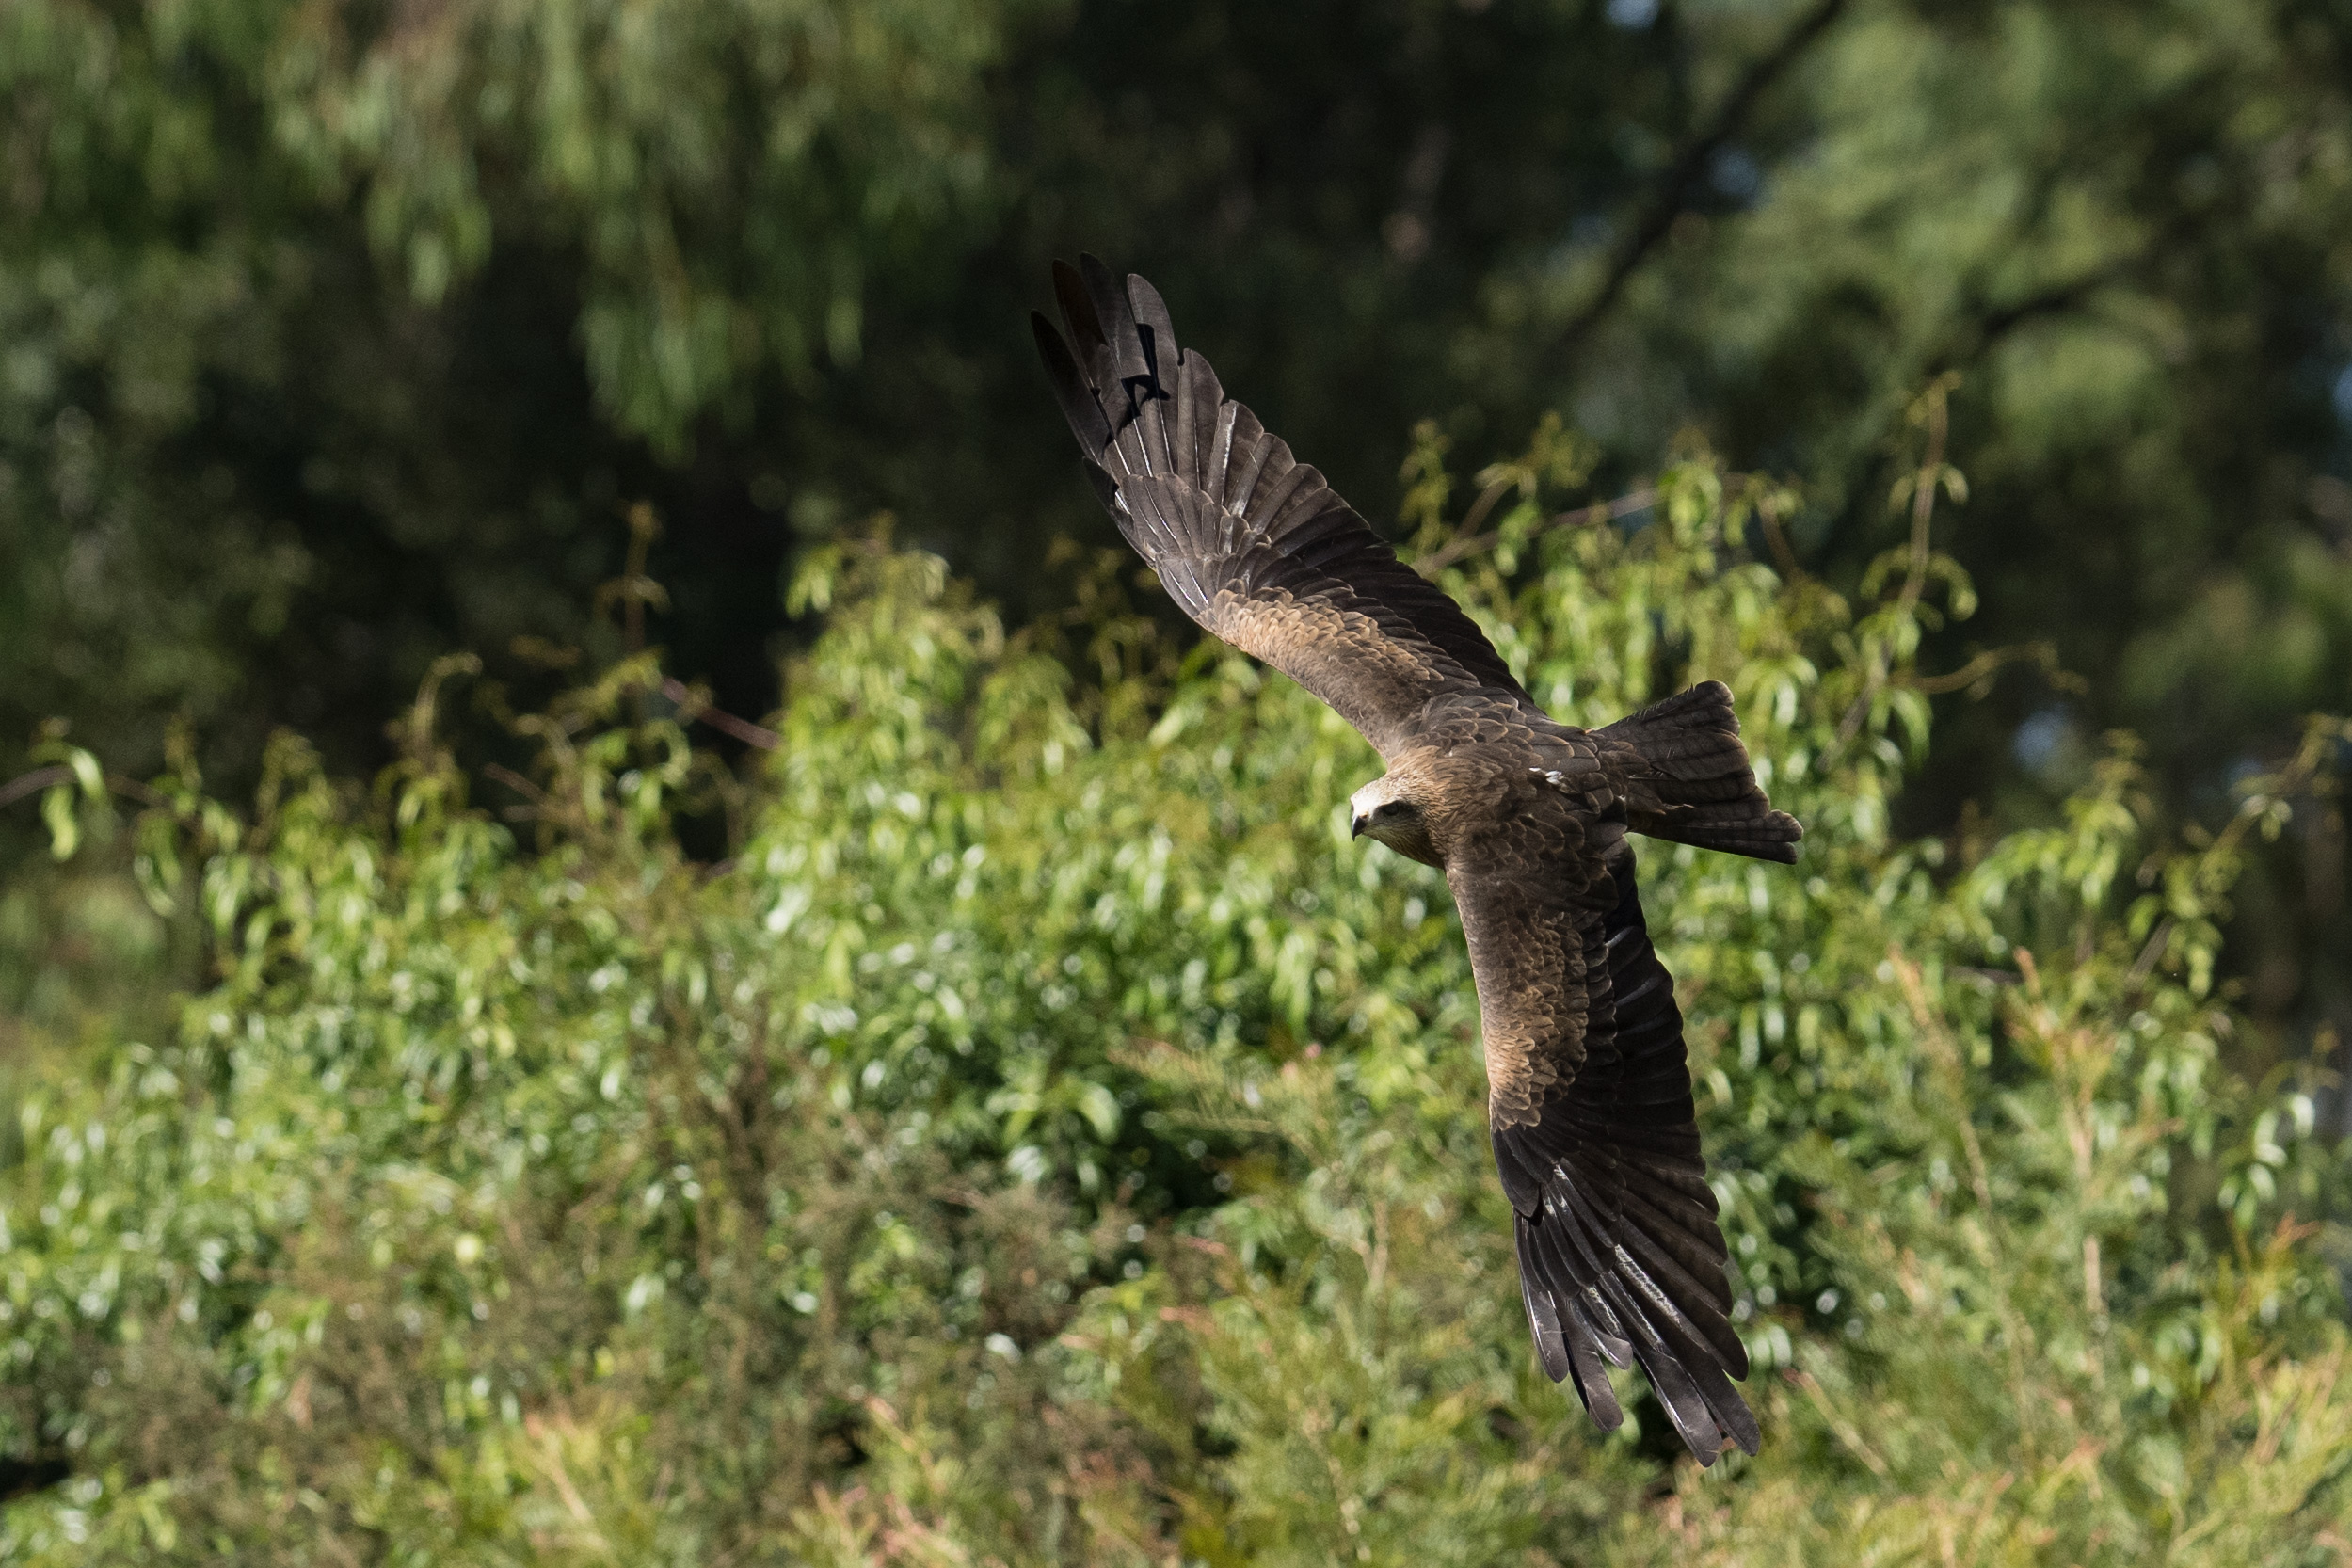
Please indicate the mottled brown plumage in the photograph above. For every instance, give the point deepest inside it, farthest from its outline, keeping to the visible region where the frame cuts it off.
(1589, 1091)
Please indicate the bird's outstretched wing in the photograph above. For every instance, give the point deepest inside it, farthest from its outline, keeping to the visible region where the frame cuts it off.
(1252, 543)
(1595, 1135)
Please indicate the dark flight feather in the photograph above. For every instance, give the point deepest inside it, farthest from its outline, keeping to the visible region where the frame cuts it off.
(1254, 545)
(1603, 1166)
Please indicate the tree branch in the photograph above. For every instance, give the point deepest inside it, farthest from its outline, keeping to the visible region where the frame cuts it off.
(42, 778)
(1600, 511)
(1982, 666)
(693, 706)
(33, 783)
(1673, 191)
(2054, 299)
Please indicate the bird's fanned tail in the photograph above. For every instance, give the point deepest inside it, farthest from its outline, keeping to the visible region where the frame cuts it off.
(1692, 783)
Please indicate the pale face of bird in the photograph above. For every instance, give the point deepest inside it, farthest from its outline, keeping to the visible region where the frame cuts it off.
(1382, 810)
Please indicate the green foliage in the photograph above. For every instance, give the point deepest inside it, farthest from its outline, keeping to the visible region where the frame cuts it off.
(1047, 1138)
(242, 244)
(753, 164)
(337, 336)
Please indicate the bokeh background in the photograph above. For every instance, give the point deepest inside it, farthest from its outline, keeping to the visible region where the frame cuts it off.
(614, 346)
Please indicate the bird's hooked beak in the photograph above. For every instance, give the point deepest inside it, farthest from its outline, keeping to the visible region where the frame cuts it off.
(1355, 827)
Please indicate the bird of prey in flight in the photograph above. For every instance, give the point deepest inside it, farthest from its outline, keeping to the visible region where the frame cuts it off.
(1620, 1255)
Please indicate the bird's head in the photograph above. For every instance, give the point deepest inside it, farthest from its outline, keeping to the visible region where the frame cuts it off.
(1386, 810)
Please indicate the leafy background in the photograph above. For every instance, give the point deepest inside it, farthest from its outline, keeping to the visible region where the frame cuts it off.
(473, 1099)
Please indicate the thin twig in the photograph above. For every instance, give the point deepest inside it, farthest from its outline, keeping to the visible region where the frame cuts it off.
(515, 782)
(1486, 503)
(2043, 653)
(57, 772)
(2148, 953)
(719, 719)
(1947, 1055)
(131, 789)
(1925, 480)
(34, 782)
(1846, 1431)
(639, 588)
(1600, 511)
(1783, 557)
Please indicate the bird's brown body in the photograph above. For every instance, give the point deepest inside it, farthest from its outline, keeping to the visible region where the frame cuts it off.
(1589, 1092)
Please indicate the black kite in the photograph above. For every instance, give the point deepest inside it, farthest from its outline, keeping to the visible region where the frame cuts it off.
(1620, 1255)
